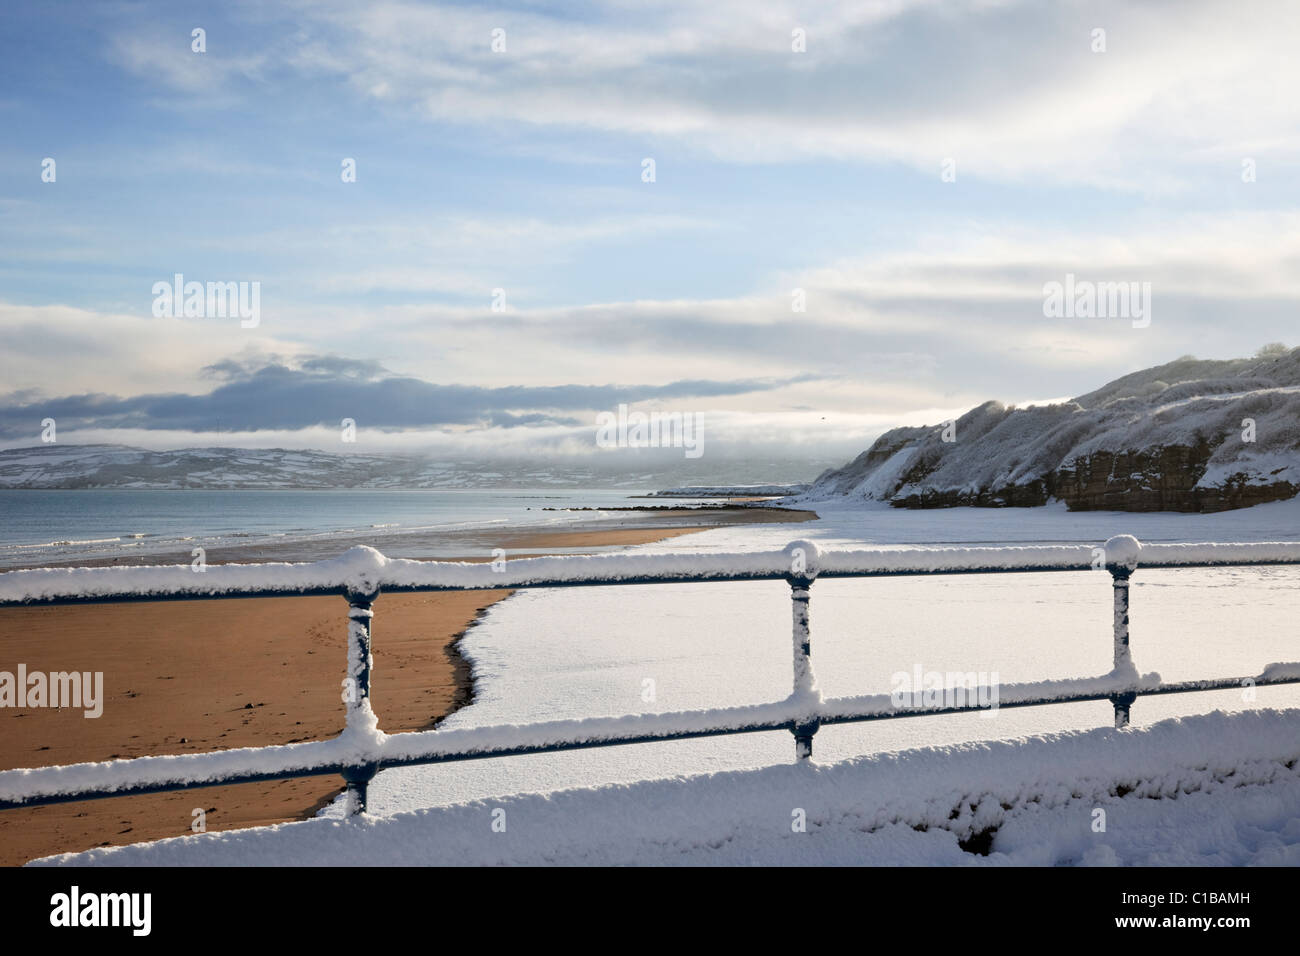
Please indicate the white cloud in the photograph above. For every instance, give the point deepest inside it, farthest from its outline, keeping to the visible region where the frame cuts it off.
(57, 349)
(1010, 90)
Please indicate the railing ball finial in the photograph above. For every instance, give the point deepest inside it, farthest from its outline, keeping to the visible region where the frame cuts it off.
(1122, 552)
(361, 569)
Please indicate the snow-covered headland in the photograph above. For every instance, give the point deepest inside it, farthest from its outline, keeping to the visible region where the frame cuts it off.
(1190, 435)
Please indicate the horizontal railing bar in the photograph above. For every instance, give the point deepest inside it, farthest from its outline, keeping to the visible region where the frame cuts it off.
(393, 762)
(120, 597)
(827, 716)
(824, 717)
(132, 597)
(786, 725)
(1172, 565)
(1186, 687)
(169, 787)
(559, 746)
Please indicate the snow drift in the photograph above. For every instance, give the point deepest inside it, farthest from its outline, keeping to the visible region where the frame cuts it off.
(1217, 788)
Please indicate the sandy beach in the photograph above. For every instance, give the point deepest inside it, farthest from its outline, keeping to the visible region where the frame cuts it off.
(212, 675)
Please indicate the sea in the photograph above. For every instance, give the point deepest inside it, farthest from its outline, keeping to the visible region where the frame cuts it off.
(45, 526)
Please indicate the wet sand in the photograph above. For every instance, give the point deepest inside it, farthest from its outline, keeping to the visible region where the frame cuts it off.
(197, 676)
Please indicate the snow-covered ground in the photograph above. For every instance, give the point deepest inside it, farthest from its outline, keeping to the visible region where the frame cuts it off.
(1207, 790)
(555, 654)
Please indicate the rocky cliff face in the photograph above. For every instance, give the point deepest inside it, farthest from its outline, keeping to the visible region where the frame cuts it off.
(1191, 435)
(1164, 479)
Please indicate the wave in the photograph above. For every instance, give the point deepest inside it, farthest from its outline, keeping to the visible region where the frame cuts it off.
(67, 542)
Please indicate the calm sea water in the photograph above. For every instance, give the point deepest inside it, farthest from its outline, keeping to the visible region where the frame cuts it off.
(39, 526)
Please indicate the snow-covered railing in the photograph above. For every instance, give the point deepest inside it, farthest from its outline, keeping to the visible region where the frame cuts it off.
(361, 574)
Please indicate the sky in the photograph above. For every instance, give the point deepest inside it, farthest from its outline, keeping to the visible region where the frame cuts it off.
(503, 269)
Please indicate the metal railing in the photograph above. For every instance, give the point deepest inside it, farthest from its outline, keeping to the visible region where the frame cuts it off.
(361, 574)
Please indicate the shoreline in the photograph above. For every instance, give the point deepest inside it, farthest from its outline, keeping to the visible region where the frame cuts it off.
(458, 544)
(187, 677)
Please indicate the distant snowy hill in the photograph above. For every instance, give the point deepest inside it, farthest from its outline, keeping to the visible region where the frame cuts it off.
(733, 491)
(1191, 435)
(119, 466)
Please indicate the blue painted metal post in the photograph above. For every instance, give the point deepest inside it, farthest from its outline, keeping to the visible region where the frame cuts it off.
(360, 716)
(1123, 654)
(805, 686)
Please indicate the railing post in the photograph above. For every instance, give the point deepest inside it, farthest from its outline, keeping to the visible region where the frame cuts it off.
(803, 569)
(1123, 660)
(1121, 556)
(361, 717)
(805, 685)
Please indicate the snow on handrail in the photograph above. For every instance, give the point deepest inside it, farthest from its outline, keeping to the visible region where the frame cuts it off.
(26, 786)
(364, 570)
(1189, 555)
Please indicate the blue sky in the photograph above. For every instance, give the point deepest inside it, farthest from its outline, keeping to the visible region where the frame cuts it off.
(521, 170)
